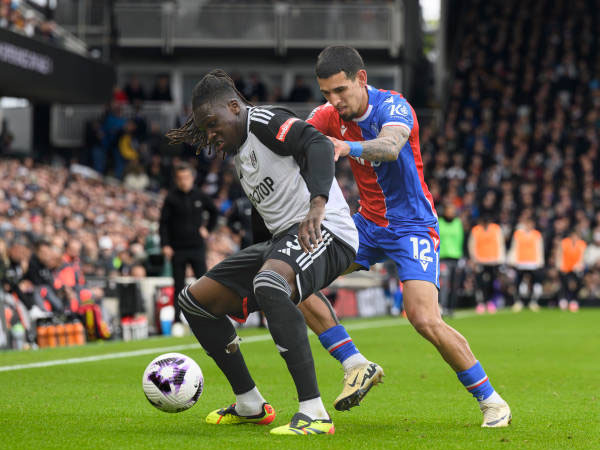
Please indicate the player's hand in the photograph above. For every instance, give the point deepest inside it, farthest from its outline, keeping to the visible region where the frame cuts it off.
(168, 252)
(309, 230)
(340, 148)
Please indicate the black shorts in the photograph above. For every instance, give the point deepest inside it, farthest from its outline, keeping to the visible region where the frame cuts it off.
(314, 271)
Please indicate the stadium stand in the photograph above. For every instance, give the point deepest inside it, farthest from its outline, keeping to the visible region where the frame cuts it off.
(521, 128)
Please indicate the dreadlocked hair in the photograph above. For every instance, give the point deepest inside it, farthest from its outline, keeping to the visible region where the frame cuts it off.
(211, 88)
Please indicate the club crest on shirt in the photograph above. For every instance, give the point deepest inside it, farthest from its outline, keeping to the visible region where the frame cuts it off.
(398, 110)
(253, 159)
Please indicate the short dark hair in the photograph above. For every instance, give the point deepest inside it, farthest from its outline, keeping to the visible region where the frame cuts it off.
(42, 242)
(183, 166)
(339, 58)
(213, 86)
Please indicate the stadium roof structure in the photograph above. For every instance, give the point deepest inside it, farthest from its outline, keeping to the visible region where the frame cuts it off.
(39, 71)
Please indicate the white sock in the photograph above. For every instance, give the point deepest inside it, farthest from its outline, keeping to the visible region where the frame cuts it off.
(249, 403)
(494, 398)
(314, 408)
(355, 360)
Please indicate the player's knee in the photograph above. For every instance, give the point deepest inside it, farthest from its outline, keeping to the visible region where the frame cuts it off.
(428, 326)
(269, 286)
(200, 307)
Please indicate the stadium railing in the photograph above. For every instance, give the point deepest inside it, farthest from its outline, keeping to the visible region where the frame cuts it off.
(88, 19)
(61, 36)
(269, 25)
(67, 122)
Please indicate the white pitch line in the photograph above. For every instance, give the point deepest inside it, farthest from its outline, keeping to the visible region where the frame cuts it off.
(158, 350)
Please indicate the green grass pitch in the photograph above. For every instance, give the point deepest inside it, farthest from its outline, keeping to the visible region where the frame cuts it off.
(546, 365)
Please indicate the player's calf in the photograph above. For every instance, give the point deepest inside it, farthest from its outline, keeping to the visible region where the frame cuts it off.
(218, 338)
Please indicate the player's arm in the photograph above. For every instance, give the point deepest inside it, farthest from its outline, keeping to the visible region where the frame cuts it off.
(395, 120)
(320, 173)
(385, 147)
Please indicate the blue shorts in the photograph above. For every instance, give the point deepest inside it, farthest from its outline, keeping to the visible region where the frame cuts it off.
(415, 252)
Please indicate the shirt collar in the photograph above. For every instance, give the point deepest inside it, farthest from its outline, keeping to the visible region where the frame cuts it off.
(368, 111)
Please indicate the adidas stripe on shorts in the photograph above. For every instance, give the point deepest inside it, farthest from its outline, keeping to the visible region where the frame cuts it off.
(314, 271)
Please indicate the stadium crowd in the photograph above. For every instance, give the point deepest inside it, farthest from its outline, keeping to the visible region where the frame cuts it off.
(18, 18)
(521, 132)
(518, 149)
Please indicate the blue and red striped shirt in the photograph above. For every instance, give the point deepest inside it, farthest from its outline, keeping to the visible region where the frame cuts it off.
(391, 192)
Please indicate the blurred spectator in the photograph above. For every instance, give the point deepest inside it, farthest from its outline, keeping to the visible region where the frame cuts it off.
(158, 144)
(119, 95)
(6, 137)
(134, 90)
(128, 147)
(157, 174)
(93, 143)
(20, 18)
(257, 91)
(551, 288)
(589, 294)
(526, 255)
(276, 95)
(487, 251)
(569, 260)
(47, 294)
(106, 263)
(186, 218)
(111, 129)
(591, 256)
(452, 238)
(141, 124)
(239, 83)
(46, 31)
(162, 89)
(239, 220)
(220, 245)
(136, 177)
(300, 92)
(4, 15)
(138, 271)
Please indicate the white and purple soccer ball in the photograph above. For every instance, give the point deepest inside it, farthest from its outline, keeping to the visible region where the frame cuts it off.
(173, 382)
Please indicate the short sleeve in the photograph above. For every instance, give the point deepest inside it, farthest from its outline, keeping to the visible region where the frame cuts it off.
(278, 130)
(320, 118)
(395, 111)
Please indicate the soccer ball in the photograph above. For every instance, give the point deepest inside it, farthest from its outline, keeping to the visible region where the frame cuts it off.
(173, 382)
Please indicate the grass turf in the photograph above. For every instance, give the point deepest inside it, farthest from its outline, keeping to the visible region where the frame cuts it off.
(546, 365)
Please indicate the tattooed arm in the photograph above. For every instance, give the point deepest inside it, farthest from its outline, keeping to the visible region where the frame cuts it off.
(385, 147)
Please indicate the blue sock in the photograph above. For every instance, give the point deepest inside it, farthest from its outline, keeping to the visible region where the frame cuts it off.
(338, 342)
(476, 382)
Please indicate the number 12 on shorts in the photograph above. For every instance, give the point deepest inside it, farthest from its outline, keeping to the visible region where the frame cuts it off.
(421, 251)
